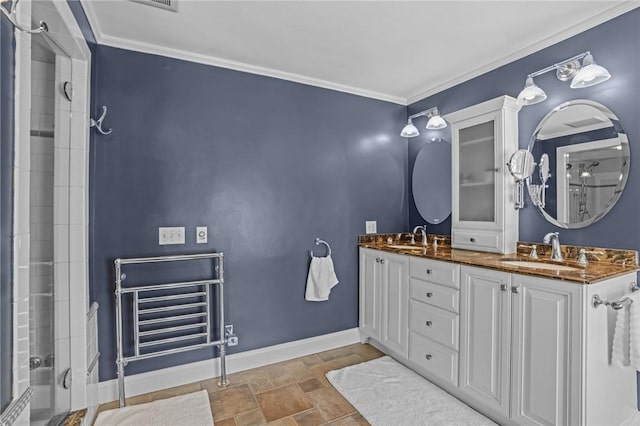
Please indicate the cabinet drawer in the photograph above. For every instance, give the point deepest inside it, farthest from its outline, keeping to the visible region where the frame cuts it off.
(434, 294)
(476, 240)
(434, 323)
(434, 358)
(444, 273)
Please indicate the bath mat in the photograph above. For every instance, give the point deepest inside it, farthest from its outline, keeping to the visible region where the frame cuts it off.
(387, 393)
(192, 409)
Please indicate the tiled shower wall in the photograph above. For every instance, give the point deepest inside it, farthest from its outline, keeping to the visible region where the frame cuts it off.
(41, 288)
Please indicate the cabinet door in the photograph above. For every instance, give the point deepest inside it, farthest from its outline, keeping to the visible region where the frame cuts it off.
(395, 301)
(485, 331)
(370, 292)
(546, 352)
(476, 177)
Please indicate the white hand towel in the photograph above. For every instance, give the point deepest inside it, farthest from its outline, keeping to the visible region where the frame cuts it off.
(321, 279)
(626, 335)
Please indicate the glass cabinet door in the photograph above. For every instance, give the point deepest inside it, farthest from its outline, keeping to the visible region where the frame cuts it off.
(477, 174)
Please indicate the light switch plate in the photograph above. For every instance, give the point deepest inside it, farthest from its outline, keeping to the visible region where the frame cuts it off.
(371, 226)
(171, 235)
(201, 235)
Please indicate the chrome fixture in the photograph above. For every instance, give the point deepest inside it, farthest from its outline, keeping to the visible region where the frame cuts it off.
(554, 239)
(596, 301)
(435, 122)
(98, 123)
(533, 254)
(582, 256)
(11, 16)
(318, 242)
(435, 241)
(581, 75)
(35, 362)
(423, 233)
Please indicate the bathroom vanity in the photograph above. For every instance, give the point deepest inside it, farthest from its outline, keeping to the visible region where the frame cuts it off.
(521, 345)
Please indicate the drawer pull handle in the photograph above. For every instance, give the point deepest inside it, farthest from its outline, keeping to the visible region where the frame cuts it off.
(429, 271)
(428, 356)
(473, 240)
(383, 261)
(429, 294)
(514, 290)
(377, 260)
(429, 323)
(503, 287)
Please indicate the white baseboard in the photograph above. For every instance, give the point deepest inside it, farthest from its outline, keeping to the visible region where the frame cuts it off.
(152, 381)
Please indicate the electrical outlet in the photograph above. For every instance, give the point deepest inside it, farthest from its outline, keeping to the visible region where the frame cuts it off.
(228, 330)
(232, 340)
(171, 235)
(201, 234)
(371, 226)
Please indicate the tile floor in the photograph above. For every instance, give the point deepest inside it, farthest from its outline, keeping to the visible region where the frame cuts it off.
(293, 392)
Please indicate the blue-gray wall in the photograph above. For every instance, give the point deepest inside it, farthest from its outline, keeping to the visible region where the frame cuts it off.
(615, 45)
(6, 208)
(266, 164)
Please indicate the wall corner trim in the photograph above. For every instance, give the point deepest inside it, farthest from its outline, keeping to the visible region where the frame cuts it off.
(153, 381)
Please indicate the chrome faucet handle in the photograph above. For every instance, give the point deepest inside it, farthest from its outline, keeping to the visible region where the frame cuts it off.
(436, 239)
(582, 256)
(533, 254)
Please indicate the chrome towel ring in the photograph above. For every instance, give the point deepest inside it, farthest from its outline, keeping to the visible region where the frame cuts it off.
(318, 242)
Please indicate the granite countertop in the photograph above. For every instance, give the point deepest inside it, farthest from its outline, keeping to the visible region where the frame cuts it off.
(611, 263)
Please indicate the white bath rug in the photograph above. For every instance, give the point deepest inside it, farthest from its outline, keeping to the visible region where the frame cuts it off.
(387, 393)
(192, 409)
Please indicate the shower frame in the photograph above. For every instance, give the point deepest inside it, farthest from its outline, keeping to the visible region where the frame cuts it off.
(70, 202)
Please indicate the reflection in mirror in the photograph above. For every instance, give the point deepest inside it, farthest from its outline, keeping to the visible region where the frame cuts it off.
(583, 166)
(432, 181)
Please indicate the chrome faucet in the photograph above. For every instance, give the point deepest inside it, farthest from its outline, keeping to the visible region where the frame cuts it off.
(423, 233)
(554, 239)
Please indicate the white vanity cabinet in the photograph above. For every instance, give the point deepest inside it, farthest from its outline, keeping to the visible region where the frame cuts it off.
(536, 351)
(485, 332)
(483, 137)
(384, 299)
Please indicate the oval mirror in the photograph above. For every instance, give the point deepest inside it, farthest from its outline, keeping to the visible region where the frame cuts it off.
(432, 181)
(583, 163)
(521, 164)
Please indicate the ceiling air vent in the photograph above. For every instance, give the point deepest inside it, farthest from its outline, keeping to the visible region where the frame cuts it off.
(162, 4)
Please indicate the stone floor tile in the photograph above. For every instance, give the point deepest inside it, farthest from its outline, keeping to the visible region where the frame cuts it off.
(250, 418)
(226, 422)
(285, 421)
(310, 360)
(232, 401)
(310, 385)
(288, 372)
(309, 418)
(283, 402)
(330, 403)
(352, 420)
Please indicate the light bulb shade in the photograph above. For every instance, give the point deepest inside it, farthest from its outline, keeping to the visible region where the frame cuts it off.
(436, 122)
(409, 131)
(531, 94)
(590, 74)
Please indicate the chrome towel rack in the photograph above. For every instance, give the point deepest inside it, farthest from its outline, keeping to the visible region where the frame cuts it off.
(318, 242)
(169, 318)
(596, 300)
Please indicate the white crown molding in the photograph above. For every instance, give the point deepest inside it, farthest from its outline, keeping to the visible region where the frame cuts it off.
(614, 11)
(107, 40)
(179, 375)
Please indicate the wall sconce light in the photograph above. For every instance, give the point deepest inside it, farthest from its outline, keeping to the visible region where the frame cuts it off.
(435, 122)
(581, 75)
(11, 16)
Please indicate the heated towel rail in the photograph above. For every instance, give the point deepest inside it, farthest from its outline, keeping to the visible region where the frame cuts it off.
(169, 318)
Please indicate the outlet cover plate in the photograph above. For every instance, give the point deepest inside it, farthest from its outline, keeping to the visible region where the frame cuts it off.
(171, 235)
(371, 226)
(201, 235)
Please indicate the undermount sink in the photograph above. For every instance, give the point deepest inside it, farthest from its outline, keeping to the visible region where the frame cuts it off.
(406, 247)
(539, 265)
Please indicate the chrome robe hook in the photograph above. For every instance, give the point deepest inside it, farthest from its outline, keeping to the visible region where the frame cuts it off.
(98, 123)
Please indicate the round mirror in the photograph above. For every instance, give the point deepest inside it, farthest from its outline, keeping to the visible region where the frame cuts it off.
(432, 181)
(583, 163)
(521, 164)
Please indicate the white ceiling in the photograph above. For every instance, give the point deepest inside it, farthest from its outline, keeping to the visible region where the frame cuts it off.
(399, 51)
